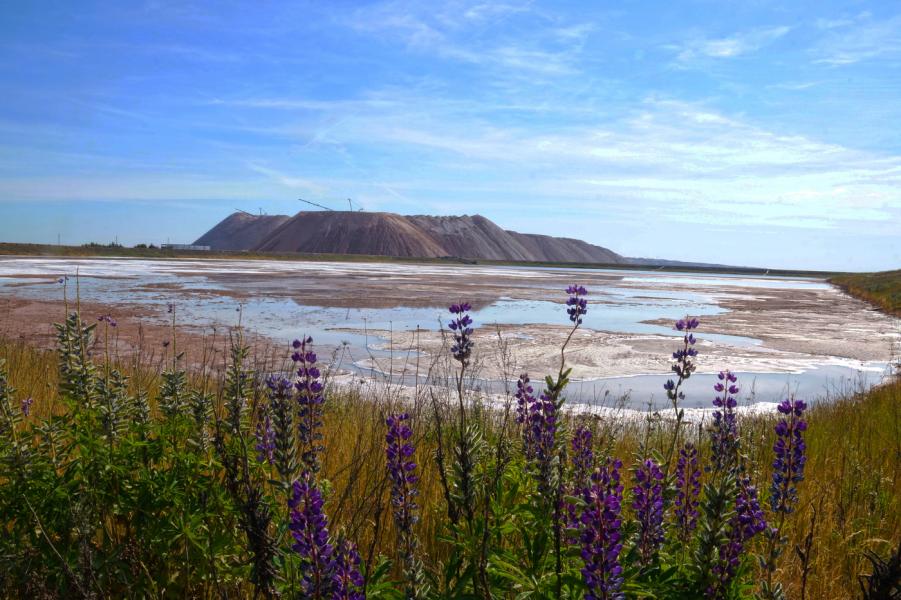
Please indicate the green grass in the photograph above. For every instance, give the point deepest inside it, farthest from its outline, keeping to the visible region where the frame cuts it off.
(882, 289)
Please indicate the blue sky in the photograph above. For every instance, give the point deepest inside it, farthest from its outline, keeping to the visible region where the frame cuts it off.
(755, 133)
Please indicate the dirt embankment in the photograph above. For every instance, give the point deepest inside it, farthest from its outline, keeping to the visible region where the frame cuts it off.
(141, 333)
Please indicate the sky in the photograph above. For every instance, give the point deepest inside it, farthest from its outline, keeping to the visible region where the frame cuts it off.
(749, 133)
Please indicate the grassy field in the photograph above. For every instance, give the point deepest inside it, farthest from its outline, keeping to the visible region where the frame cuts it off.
(882, 289)
(110, 499)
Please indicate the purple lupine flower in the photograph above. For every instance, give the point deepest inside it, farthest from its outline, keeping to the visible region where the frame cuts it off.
(687, 324)
(578, 305)
(538, 417)
(601, 538)
(281, 398)
(582, 456)
(309, 398)
(749, 517)
(265, 445)
(347, 582)
(309, 528)
(647, 500)
(688, 486)
(170, 307)
(789, 448)
(747, 521)
(582, 467)
(25, 405)
(523, 398)
(683, 364)
(107, 319)
(724, 434)
(460, 325)
(402, 471)
(542, 432)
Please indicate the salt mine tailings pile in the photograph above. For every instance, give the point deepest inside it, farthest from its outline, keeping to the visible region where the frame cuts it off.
(390, 234)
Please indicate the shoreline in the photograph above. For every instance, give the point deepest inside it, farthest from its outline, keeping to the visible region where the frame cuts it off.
(790, 327)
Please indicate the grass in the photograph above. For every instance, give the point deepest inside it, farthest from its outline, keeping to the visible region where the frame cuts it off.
(882, 289)
(850, 501)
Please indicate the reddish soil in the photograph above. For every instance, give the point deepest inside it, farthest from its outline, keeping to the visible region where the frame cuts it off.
(138, 333)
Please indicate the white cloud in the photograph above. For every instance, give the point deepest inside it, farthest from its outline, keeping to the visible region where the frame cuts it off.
(727, 47)
(288, 181)
(666, 153)
(472, 35)
(866, 38)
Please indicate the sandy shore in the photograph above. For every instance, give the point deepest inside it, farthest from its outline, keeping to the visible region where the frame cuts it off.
(793, 325)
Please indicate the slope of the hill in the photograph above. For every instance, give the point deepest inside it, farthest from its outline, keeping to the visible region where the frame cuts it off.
(241, 231)
(344, 232)
(556, 249)
(472, 237)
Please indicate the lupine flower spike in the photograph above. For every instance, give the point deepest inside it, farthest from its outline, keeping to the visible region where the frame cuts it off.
(402, 472)
(109, 320)
(460, 325)
(577, 305)
(788, 471)
(281, 407)
(265, 436)
(648, 504)
(601, 535)
(724, 435)
(309, 398)
(347, 582)
(688, 487)
(789, 448)
(582, 456)
(683, 365)
(309, 528)
(747, 521)
(524, 399)
(582, 467)
(542, 433)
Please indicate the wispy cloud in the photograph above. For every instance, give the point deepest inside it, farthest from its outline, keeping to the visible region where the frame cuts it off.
(662, 153)
(864, 38)
(726, 47)
(472, 35)
(289, 181)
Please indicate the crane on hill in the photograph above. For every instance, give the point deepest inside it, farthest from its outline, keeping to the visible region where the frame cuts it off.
(314, 204)
(350, 205)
